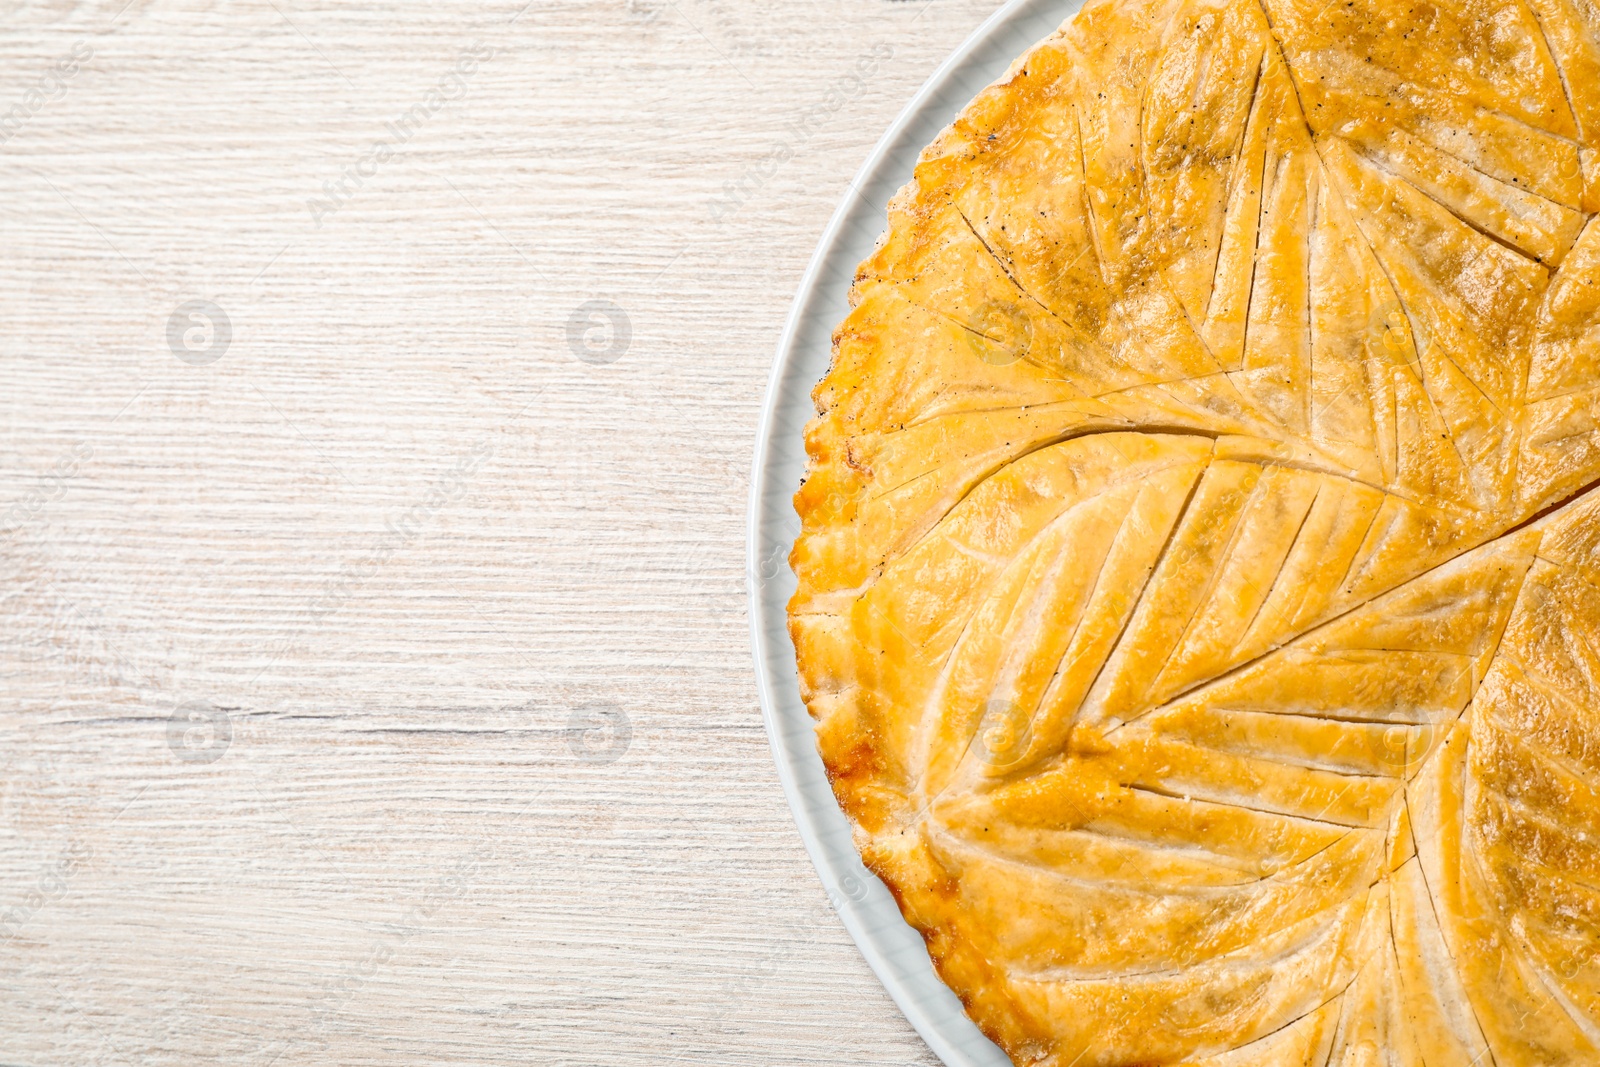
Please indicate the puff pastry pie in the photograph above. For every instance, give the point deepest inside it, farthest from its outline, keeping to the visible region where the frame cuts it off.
(1199, 581)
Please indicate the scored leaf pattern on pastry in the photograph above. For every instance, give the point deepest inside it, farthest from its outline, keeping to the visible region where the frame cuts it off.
(1199, 584)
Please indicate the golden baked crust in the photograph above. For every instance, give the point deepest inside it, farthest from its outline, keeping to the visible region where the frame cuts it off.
(1199, 587)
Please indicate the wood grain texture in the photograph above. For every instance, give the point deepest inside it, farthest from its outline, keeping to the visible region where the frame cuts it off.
(379, 691)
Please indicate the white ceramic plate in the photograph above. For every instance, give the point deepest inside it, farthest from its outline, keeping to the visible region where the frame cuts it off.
(894, 950)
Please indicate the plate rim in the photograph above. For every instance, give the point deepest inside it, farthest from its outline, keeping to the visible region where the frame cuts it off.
(867, 909)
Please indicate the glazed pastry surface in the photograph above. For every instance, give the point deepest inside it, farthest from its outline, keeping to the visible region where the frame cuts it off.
(1199, 584)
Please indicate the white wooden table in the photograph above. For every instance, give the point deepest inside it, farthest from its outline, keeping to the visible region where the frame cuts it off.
(376, 681)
